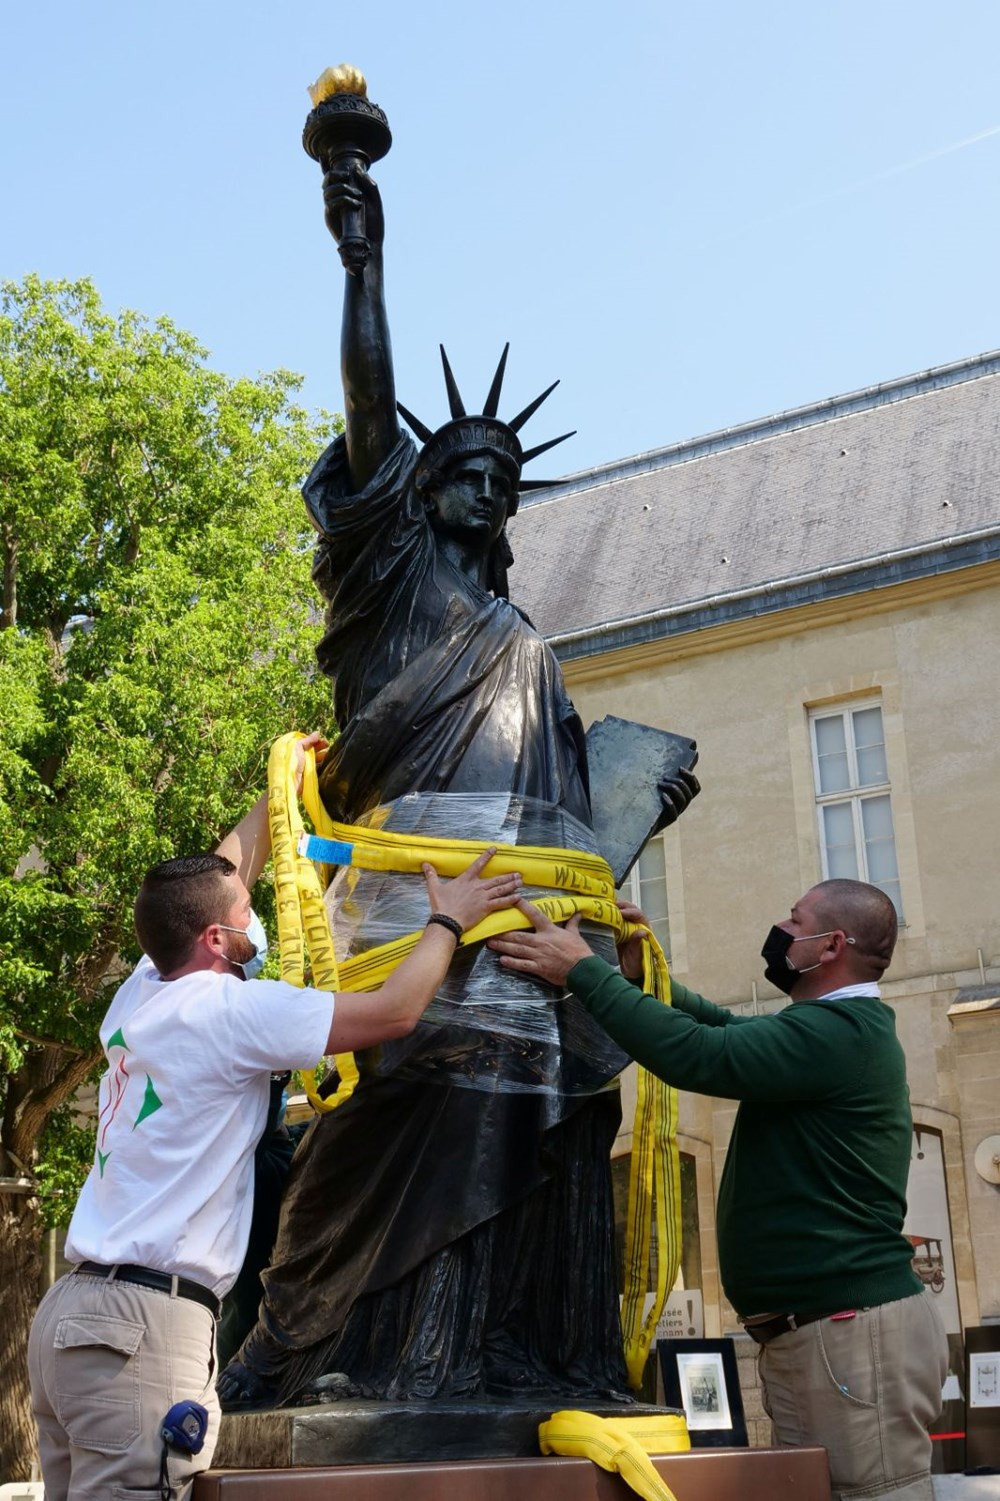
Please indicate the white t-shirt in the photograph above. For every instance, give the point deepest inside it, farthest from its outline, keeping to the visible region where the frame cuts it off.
(182, 1107)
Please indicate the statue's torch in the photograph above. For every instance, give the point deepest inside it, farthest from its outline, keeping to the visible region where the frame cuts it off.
(344, 129)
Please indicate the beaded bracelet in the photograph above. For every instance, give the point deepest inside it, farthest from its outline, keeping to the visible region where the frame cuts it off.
(451, 923)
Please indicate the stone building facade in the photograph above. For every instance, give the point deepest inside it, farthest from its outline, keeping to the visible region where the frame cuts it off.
(815, 598)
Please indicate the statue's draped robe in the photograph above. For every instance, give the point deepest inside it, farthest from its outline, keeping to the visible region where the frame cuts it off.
(440, 1240)
(438, 685)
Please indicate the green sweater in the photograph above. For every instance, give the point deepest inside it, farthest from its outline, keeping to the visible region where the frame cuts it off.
(813, 1192)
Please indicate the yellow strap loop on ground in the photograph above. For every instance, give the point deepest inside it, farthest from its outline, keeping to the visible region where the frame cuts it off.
(620, 1445)
(588, 889)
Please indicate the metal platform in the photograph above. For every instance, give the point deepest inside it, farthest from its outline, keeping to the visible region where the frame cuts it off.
(701, 1475)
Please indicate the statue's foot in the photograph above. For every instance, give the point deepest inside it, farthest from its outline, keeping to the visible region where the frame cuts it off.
(260, 1375)
(243, 1390)
(617, 1394)
(336, 1386)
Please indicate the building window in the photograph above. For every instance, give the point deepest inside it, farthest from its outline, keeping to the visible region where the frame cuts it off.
(689, 1272)
(646, 886)
(853, 798)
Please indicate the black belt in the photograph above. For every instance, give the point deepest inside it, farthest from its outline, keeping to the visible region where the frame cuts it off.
(782, 1323)
(161, 1282)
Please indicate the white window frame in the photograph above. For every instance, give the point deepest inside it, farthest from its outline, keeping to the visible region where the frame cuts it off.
(631, 890)
(854, 795)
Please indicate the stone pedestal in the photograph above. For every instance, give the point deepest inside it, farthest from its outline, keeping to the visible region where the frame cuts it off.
(356, 1432)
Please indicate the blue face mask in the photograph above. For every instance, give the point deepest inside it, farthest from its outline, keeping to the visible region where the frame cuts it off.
(254, 931)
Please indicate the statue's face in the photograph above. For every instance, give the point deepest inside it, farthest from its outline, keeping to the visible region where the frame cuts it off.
(473, 499)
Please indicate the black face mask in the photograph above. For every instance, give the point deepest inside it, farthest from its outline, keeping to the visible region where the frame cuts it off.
(780, 970)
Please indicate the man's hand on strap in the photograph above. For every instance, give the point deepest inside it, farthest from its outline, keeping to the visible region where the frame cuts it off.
(314, 741)
(470, 897)
(630, 951)
(549, 952)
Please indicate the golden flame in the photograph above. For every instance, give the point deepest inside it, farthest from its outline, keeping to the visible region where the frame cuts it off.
(343, 79)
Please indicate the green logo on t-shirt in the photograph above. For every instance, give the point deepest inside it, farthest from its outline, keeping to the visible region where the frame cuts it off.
(117, 1079)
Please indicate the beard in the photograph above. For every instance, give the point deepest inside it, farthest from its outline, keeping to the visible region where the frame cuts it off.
(240, 949)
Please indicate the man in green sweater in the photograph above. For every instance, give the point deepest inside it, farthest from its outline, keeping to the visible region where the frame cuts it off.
(813, 1193)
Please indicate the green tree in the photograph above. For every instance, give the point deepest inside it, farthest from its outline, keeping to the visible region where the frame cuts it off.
(157, 633)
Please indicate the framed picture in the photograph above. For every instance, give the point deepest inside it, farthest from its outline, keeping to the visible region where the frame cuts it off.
(701, 1376)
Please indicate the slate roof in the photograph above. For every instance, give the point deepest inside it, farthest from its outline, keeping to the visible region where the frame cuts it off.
(887, 483)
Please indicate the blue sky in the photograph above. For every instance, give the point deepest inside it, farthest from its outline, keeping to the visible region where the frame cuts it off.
(694, 215)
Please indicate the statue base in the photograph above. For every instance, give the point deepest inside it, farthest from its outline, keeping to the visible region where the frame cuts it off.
(701, 1475)
(354, 1431)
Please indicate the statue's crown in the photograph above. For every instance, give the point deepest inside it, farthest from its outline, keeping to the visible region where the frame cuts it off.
(471, 433)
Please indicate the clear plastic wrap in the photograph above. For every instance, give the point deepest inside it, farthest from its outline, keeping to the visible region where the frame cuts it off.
(488, 1028)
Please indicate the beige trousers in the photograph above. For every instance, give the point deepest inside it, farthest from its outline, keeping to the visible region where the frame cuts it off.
(865, 1388)
(107, 1360)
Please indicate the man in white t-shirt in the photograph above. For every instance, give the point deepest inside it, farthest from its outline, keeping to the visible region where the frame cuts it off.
(160, 1229)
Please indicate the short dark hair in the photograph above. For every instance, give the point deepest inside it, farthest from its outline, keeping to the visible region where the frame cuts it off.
(867, 915)
(177, 900)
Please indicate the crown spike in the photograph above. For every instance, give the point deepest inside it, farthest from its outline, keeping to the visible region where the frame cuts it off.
(454, 398)
(493, 399)
(518, 422)
(423, 433)
(533, 453)
(538, 484)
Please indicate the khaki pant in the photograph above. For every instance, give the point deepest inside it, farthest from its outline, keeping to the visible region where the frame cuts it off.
(865, 1388)
(107, 1361)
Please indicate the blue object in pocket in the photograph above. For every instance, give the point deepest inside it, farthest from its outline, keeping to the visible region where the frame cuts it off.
(185, 1426)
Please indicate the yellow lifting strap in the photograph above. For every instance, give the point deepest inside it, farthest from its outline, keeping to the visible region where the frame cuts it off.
(587, 888)
(621, 1445)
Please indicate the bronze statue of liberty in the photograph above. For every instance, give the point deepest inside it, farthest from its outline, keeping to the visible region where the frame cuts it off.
(448, 1231)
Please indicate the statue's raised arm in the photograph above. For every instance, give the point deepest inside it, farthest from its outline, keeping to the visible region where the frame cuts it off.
(372, 429)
